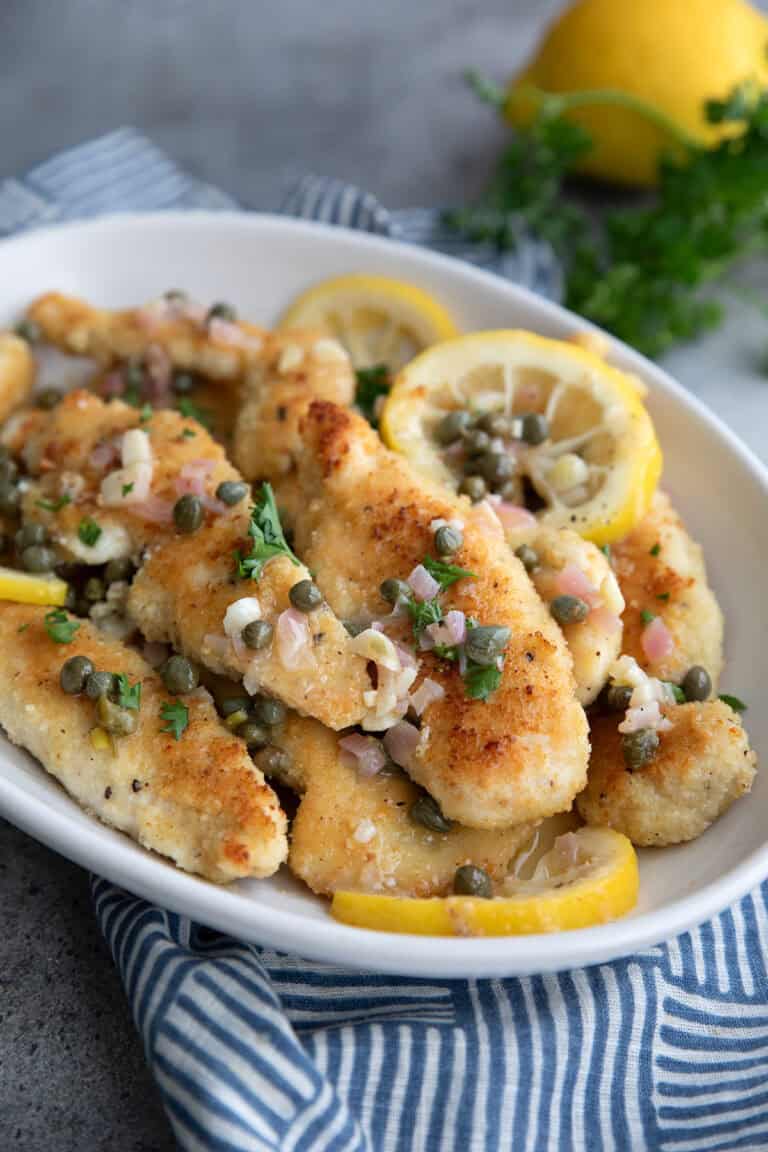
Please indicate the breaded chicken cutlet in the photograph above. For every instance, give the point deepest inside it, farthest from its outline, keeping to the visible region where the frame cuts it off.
(199, 800)
(368, 516)
(17, 373)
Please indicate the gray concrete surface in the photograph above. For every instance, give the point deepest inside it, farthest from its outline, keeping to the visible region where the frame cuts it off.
(241, 92)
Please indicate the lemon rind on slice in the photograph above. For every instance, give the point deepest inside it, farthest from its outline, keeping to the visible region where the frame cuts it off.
(451, 371)
(26, 588)
(346, 307)
(602, 888)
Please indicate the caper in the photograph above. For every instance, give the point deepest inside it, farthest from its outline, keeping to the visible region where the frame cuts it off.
(183, 382)
(221, 311)
(534, 428)
(448, 540)
(696, 684)
(426, 811)
(118, 570)
(233, 704)
(119, 721)
(569, 609)
(452, 426)
(474, 487)
(469, 880)
(187, 513)
(494, 423)
(639, 748)
(528, 557)
(617, 697)
(38, 558)
(476, 442)
(236, 719)
(133, 373)
(485, 643)
(99, 684)
(74, 673)
(10, 499)
(273, 761)
(94, 590)
(9, 470)
(270, 712)
(175, 296)
(257, 634)
(31, 533)
(354, 627)
(231, 492)
(5, 452)
(255, 735)
(306, 596)
(28, 330)
(393, 591)
(496, 468)
(48, 398)
(179, 676)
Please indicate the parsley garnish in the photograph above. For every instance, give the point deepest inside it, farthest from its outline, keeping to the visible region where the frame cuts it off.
(646, 616)
(176, 718)
(268, 539)
(733, 702)
(640, 271)
(662, 595)
(606, 551)
(445, 574)
(23, 627)
(423, 613)
(188, 433)
(127, 488)
(128, 695)
(59, 627)
(480, 680)
(88, 531)
(677, 691)
(190, 411)
(372, 383)
(145, 413)
(54, 505)
(655, 550)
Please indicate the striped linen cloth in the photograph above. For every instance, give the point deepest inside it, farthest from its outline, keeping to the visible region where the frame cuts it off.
(259, 1052)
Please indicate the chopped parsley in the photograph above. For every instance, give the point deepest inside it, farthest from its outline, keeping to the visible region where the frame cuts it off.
(59, 626)
(54, 505)
(662, 596)
(23, 627)
(188, 433)
(733, 702)
(676, 691)
(446, 574)
(480, 680)
(176, 717)
(145, 413)
(647, 616)
(655, 550)
(128, 695)
(267, 537)
(127, 488)
(606, 551)
(372, 383)
(88, 531)
(424, 613)
(191, 411)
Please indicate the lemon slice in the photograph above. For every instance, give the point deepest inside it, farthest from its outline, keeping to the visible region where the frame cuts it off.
(589, 877)
(379, 320)
(600, 462)
(24, 588)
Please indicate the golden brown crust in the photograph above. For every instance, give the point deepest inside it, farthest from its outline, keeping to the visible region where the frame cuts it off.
(17, 373)
(367, 516)
(671, 582)
(199, 800)
(703, 764)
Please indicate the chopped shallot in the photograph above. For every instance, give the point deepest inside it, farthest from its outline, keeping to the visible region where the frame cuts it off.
(367, 753)
(154, 509)
(293, 640)
(571, 581)
(657, 640)
(401, 742)
(452, 630)
(422, 584)
(428, 692)
(513, 517)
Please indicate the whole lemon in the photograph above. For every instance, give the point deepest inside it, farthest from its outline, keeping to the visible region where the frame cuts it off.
(669, 55)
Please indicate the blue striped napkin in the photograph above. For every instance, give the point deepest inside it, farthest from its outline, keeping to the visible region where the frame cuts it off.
(257, 1051)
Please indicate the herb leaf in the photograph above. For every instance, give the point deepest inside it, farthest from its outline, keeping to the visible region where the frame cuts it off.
(128, 695)
(423, 613)
(655, 550)
(446, 574)
(268, 539)
(176, 717)
(733, 702)
(372, 383)
(59, 626)
(191, 411)
(127, 488)
(677, 692)
(647, 616)
(88, 531)
(480, 680)
(54, 505)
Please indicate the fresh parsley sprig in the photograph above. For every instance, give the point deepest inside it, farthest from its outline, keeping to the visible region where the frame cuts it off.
(59, 626)
(267, 537)
(54, 505)
(88, 531)
(128, 695)
(446, 574)
(176, 717)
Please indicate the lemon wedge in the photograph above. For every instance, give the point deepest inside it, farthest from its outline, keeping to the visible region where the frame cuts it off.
(379, 320)
(24, 588)
(597, 463)
(588, 877)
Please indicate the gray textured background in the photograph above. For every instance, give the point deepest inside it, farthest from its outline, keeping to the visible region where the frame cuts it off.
(242, 92)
